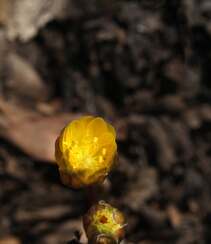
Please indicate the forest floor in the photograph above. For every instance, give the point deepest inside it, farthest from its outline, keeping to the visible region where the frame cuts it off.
(142, 65)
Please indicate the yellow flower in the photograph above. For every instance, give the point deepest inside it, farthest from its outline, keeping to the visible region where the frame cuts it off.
(85, 151)
(104, 223)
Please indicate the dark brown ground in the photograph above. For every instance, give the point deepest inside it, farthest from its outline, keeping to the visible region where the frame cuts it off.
(145, 66)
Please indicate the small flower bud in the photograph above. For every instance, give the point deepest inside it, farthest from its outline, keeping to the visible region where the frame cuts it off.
(104, 224)
(85, 151)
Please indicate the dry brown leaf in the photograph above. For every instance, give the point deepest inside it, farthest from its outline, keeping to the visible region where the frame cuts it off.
(23, 80)
(23, 19)
(10, 240)
(31, 132)
(35, 133)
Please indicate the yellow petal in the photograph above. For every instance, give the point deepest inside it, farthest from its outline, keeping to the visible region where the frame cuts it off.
(74, 132)
(78, 128)
(111, 129)
(106, 139)
(96, 127)
(85, 120)
(65, 138)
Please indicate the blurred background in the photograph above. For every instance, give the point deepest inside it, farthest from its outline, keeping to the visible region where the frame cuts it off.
(143, 65)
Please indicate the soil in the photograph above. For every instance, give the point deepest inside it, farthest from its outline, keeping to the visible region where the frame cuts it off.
(144, 66)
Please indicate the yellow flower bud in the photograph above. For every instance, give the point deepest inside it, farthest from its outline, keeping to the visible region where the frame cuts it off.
(104, 224)
(85, 151)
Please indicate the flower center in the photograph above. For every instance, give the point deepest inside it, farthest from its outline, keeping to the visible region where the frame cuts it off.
(87, 154)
